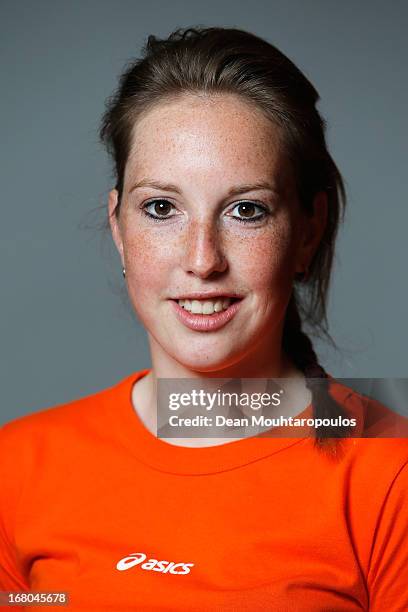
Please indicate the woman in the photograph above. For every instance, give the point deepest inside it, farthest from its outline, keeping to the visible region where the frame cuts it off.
(224, 213)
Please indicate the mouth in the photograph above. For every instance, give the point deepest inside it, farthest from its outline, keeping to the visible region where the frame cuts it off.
(207, 306)
(206, 315)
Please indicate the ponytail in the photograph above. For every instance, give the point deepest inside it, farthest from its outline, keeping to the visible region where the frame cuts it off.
(299, 348)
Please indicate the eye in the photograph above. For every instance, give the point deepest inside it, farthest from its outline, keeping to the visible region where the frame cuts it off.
(160, 208)
(246, 208)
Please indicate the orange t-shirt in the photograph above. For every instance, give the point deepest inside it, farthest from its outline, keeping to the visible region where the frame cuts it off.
(94, 505)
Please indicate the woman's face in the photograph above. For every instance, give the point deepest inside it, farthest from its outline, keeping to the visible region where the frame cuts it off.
(212, 172)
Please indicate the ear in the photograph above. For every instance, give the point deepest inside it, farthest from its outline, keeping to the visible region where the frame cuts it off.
(313, 230)
(113, 198)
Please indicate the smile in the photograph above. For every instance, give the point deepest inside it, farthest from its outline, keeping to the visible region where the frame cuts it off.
(206, 315)
(206, 306)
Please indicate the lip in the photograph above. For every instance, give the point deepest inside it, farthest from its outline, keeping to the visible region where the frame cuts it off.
(199, 295)
(206, 323)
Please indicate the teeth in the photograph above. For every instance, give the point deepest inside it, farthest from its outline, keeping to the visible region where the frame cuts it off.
(205, 306)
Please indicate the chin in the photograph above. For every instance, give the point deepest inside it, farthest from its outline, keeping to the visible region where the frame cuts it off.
(205, 361)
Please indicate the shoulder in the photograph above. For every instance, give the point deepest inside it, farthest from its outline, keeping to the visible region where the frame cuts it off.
(67, 414)
(374, 419)
(28, 441)
(56, 424)
(376, 454)
(58, 439)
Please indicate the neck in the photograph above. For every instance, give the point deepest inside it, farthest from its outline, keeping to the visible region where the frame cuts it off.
(266, 360)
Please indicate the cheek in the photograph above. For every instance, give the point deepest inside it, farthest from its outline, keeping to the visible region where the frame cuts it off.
(267, 259)
(146, 257)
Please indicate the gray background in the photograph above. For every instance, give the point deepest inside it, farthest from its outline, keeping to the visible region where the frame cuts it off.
(66, 328)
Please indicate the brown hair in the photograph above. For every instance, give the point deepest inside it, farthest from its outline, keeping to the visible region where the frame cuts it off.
(216, 60)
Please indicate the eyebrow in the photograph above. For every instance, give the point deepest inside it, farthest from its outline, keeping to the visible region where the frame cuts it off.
(235, 190)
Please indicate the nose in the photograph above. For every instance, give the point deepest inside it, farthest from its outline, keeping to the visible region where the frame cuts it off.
(203, 251)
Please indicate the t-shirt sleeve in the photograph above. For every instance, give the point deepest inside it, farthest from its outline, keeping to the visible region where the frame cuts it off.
(11, 462)
(387, 577)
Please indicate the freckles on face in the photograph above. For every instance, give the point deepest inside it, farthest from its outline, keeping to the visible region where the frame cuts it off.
(196, 150)
(204, 146)
(264, 253)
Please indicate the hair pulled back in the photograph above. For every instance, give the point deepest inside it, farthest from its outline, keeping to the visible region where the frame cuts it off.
(216, 60)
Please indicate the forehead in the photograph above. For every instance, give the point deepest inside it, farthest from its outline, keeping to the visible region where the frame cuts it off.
(214, 135)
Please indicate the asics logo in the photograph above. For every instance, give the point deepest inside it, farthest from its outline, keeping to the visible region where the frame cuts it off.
(164, 567)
